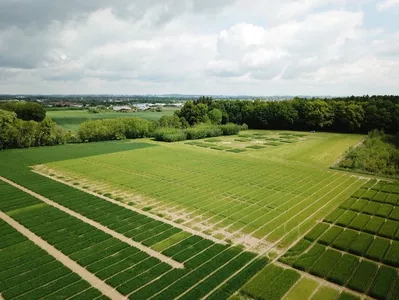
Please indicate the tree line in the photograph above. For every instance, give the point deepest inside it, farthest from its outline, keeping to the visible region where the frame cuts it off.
(347, 115)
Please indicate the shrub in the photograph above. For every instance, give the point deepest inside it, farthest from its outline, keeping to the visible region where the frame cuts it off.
(169, 135)
(202, 131)
(230, 129)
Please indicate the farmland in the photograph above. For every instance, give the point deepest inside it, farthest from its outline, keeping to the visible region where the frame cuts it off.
(152, 220)
(71, 119)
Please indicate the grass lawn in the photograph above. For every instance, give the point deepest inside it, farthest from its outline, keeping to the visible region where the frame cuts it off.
(71, 119)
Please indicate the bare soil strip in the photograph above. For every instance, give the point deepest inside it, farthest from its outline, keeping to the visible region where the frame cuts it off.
(152, 216)
(69, 263)
(114, 234)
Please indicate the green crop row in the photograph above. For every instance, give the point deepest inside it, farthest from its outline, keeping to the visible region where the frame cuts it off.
(348, 270)
(28, 272)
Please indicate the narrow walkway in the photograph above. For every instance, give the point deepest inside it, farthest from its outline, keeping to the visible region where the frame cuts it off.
(69, 263)
(149, 251)
(152, 216)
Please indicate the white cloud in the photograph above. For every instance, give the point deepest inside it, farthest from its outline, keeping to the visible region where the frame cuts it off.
(384, 5)
(193, 46)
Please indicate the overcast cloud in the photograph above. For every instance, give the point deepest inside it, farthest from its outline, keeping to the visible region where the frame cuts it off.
(251, 47)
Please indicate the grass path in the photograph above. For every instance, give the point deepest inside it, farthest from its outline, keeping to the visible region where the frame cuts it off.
(149, 251)
(69, 263)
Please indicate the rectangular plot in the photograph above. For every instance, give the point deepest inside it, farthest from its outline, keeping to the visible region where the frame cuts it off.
(348, 203)
(325, 263)
(344, 239)
(257, 285)
(360, 221)
(380, 197)
(316, 231)
(281, 285)
(292, 254)
(369, 194)
(325, 293)
(377, 249)
(328, 237)
(371, 208)
(382, 282)
(343, 270)
(346, 218)
(395, 214)
(363, 276)
(334, 215)
(306, 260)
(389, 228)
(392, 254)
(303, 289)
(384, 210)
(392, 199)
(360, 244)
(374, 225)
(359, 205)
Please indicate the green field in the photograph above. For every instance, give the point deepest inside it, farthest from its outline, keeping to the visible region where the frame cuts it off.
(269, 220)
(259, 196)
(71, 119)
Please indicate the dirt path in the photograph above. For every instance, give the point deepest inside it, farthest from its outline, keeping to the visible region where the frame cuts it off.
(114, 234)
(69, 263)
(152, 216)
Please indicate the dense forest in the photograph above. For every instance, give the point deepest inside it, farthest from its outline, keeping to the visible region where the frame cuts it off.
(352, 114)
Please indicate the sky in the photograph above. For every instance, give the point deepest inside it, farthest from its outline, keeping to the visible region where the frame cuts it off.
(229, 47)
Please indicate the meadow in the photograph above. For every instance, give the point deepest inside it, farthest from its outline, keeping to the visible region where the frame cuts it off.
(268, 222)
(71, 119)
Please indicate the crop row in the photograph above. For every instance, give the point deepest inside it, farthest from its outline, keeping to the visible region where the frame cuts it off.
(180, 186)
(363, 222)
(127, 268)
(358, 243)
(371, 208)
(272, 282)
(345, 269)
(28, 272)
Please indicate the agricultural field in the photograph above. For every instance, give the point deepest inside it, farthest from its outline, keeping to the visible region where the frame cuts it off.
(71, 119)
(148, 220)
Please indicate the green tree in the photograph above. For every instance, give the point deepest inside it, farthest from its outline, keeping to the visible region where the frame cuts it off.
(215, 116)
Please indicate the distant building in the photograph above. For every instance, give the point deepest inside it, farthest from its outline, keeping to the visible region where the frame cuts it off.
(121, 108)
(142, 106)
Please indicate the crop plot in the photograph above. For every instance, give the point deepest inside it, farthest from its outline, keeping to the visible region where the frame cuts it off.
(356, 246)
(222, 214)
(208, 191)
(28, 272)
